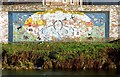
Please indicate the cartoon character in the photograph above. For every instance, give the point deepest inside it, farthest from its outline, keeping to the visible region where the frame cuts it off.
(58, 25)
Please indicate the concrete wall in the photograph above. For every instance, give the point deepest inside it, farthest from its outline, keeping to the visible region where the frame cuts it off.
(114, 10)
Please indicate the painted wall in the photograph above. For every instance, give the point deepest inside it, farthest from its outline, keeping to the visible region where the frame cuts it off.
(57, 25)
(93, 26)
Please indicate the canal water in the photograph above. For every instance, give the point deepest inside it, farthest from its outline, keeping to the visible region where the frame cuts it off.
(60, 73)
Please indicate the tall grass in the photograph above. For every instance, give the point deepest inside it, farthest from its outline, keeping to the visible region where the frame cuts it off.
(59, 50)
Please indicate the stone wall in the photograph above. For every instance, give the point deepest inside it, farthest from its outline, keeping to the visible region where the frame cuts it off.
(114, 21)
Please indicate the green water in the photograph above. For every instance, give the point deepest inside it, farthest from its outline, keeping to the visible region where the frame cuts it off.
(55, 73)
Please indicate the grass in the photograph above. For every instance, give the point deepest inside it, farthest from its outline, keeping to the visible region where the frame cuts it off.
(59, 50)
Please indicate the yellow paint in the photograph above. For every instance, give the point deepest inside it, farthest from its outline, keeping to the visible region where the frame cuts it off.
(29, 20)
(60, 9)
(40, 22)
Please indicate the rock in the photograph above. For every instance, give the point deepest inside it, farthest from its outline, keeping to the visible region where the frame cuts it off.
(38, 68)
(84, 68)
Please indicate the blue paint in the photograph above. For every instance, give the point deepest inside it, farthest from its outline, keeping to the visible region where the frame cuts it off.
(97, 18)
(10, 28)
(20, 17)
(107, 27)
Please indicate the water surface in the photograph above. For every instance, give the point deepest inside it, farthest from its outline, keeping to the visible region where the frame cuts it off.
(56, 73)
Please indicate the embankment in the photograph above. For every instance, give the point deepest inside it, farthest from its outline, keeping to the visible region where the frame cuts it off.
(61, 56)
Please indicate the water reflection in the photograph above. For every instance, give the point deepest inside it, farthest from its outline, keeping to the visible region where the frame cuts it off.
(60, 73)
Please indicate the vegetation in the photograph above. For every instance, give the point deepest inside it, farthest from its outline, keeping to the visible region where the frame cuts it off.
(31, 54)
(59, 49)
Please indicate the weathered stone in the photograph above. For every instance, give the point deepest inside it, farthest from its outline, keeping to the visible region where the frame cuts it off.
(113, 9)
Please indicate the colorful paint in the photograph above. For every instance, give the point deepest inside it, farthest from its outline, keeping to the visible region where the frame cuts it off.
(57, 25)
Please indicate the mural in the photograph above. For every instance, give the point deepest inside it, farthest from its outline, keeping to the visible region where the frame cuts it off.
(57, 25)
